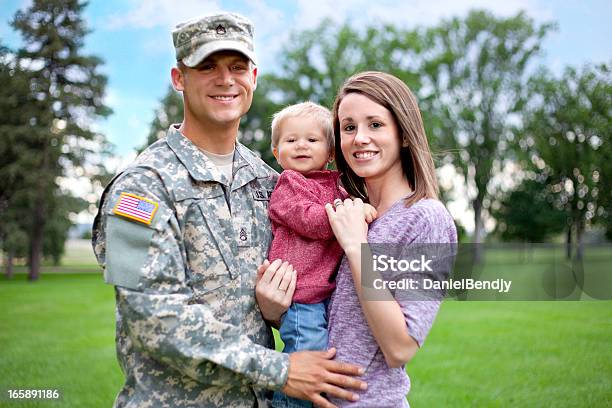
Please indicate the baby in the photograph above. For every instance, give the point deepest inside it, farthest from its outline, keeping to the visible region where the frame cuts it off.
(303, 145)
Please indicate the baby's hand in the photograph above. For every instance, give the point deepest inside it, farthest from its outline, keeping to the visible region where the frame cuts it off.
(370, 213)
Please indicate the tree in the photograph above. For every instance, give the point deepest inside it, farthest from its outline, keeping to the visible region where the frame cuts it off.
(528, 213)
(315, 63)
(567, 140)
(58, 225)
(69, 92)
(476, 69)
(255, 127)
(14, 156)
(170, 111)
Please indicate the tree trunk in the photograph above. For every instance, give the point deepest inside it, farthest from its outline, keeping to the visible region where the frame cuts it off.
(478, 230)
(568, 243)
(39, 213)
(36, 242)
(8, 264)
(579, 236)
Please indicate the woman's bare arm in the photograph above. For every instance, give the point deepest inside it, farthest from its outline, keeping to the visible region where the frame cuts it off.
(385, 318)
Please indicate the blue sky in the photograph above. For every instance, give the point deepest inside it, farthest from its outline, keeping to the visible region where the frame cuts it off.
(133, 38)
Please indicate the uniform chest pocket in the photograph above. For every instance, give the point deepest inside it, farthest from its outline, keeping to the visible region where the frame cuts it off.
(206, 234)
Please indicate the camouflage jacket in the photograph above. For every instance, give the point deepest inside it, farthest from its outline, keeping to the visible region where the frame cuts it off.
(183, 262)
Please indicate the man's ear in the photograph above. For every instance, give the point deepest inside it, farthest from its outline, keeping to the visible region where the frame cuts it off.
(178, 79)
(254, 78)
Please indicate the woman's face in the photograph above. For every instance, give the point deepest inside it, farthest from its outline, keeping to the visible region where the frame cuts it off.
(369, 137)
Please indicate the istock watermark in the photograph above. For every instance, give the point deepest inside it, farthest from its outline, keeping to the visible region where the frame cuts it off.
(504, 272)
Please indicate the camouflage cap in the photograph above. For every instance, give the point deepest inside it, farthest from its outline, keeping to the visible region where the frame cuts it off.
(196, 39)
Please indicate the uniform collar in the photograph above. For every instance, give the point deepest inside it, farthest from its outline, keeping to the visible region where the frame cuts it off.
(245, 157)
(201, 168)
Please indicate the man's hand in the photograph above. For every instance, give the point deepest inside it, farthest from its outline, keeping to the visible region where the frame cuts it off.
(313, 372)
(274, 289)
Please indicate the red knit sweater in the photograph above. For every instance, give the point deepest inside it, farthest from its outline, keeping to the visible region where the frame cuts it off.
(302, 234)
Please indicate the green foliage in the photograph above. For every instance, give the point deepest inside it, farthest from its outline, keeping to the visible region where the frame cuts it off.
(58, 224)
(51, 118)
(15, 155)
(462, 235)
(528, 214)
(255, 127)
(170, 111)
(567, 140)
(316, 62)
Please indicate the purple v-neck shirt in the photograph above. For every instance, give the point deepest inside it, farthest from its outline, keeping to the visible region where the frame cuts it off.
(426, 221)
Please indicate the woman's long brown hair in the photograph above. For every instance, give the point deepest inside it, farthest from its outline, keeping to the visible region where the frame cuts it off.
(417, 162)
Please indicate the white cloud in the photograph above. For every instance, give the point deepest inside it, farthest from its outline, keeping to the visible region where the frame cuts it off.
(111, 96)
(311, 12)
(165, 13)
(421, 12)
(116, 163)
(271, 25)
(270, 31)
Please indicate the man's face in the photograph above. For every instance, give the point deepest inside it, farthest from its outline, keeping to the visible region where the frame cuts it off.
(218, 91)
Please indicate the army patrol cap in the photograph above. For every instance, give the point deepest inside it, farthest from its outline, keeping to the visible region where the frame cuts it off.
(196, 39)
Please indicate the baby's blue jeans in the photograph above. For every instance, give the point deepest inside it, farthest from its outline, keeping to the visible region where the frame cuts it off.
(303, 327)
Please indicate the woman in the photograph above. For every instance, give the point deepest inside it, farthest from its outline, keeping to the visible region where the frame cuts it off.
(383, 153)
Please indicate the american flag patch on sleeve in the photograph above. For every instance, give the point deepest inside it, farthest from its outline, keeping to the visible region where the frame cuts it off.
(136, 208)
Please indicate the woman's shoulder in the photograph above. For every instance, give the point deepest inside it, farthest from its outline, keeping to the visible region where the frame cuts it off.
(429, 208)
(429, 219)
(426, 208)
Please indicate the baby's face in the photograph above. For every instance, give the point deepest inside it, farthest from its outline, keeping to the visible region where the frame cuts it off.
(302, 145)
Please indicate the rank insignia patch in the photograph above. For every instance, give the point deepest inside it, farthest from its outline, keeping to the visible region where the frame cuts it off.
(136, 208)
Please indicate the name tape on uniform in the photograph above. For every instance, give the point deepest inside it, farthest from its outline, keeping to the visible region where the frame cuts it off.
(136, 208)
(262, 195)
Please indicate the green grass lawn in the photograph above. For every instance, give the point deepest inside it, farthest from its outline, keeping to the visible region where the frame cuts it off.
(59, 333)
(523, 354)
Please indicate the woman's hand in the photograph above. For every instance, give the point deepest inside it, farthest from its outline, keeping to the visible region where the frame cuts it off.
(274, 289)
(348, 221)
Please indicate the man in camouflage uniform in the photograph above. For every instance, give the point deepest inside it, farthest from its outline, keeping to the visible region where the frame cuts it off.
(180, 236)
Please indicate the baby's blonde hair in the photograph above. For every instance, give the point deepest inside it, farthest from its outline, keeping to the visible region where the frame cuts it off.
(319, 113)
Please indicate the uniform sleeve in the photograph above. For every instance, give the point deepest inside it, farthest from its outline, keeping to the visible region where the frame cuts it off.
(146, 263)
(295, 206)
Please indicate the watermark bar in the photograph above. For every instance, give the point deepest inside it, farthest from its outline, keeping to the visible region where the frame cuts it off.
(482, 272)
